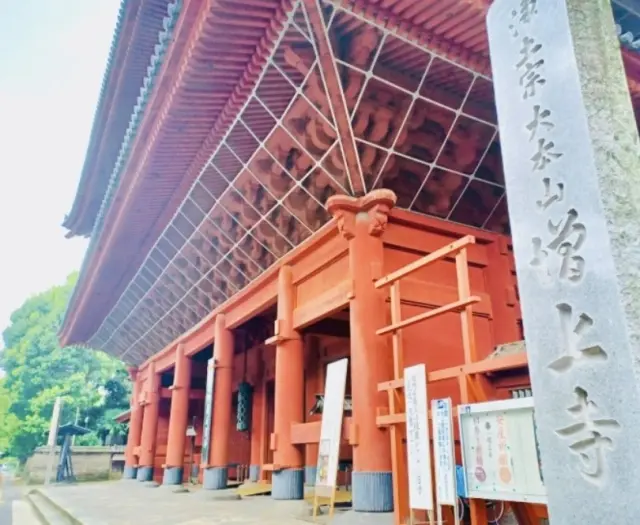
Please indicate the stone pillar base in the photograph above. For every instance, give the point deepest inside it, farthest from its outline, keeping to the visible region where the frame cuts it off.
(288, 484)
(130, 472)
(172, 476)
(215, 478)
(372, 491)
(145, 474)
(310, 475)
(254, 473)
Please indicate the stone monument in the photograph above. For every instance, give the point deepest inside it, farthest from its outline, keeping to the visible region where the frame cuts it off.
(572, 167)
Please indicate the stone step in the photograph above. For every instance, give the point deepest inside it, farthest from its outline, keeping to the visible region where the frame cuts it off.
(48, 512)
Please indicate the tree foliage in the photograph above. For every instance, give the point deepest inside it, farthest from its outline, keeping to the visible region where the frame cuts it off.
(92, 384)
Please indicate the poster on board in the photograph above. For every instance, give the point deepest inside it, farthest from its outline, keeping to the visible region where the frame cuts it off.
(208, 412)
(443, 451)
(419, 455)
(331, 428)
(499, 451)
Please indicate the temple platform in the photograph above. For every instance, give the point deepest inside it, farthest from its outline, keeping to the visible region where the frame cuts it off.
(130, 502)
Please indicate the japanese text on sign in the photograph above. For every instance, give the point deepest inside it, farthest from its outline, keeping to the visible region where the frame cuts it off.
(415, 388)
(558, 247)
(443, 452)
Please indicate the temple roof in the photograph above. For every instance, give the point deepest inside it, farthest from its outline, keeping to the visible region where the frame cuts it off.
(228, 158)
(134, 40)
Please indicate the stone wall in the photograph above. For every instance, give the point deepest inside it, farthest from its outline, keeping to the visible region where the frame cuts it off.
(89, 463)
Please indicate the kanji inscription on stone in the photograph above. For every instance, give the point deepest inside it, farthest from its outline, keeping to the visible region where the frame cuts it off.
(570, 153)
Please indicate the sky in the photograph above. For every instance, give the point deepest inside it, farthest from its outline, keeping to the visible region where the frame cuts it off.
(52, 58)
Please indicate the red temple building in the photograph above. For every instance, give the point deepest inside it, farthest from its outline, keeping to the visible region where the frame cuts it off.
(277, 184)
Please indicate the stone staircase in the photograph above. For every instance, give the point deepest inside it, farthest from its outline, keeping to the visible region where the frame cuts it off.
(48, 512)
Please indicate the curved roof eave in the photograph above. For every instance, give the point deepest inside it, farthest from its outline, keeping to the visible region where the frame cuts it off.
(76, 221)
(165, 37)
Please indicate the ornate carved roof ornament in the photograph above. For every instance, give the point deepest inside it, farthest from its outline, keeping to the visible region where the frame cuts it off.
(374, 207)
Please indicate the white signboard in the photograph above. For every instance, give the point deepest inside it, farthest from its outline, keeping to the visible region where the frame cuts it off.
(331, 428)
(419, 456)
(444, 452)
(208, 412)
(500, 452)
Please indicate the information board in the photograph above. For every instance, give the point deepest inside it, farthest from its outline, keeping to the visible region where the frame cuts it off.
(443, 451)
(208, 412)
(331, 428)
(499, 451)
(419, 455)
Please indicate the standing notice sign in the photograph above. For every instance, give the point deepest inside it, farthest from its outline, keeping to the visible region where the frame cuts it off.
(443, 451)
(500, 451)
(444, 456)
(419, 456)
(208, 411)
(330, 432)
(331, 426)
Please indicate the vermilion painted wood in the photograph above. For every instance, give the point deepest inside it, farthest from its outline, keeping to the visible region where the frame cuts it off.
(179, 415)
(151, 402)
(330, 262)
(135, 422)
(289, 377)
(223, 391)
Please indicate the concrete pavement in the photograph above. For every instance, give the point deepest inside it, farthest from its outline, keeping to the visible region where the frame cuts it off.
(131, 502)
(14, 510)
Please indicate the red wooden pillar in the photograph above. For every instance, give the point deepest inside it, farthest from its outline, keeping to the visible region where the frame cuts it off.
(362, 222)
(216, 474)
(288, 475)
(178, 419)
(149, 425)
(135, 428)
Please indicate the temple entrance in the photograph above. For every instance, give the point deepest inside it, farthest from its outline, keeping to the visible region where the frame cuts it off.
(193, 444)
(239, 447)
(327, 340)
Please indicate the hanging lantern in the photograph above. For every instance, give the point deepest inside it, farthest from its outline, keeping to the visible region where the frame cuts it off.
(243, 408)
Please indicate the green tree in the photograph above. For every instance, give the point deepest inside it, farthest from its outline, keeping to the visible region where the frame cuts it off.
(38, 370)
(8, 421)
